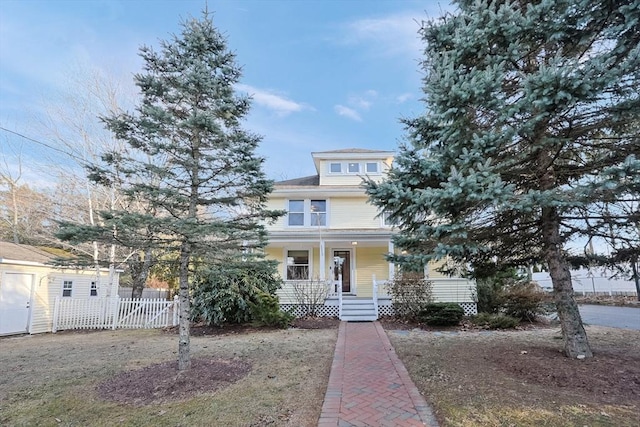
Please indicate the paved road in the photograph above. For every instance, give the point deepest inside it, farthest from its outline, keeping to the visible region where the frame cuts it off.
(616, 317)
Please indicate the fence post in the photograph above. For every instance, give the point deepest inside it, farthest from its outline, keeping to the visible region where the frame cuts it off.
(115, 302)
(56, 312)
(176, 308)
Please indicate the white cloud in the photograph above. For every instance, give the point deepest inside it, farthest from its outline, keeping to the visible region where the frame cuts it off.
(402, 98)
(347, 112)
(363, 101)
(279, 104)
(389, 35)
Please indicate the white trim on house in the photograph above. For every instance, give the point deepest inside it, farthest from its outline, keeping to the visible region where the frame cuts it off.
(294, 247)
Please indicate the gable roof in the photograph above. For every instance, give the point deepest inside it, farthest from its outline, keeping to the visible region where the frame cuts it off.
(28, 253)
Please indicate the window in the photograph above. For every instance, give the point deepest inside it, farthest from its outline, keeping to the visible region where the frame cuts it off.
(354, 167)
(67, 287)
(297, 265)
(318, 212)
(372, 167)
(296, 212)
(335, 167)
(307, 213)
(94, 289)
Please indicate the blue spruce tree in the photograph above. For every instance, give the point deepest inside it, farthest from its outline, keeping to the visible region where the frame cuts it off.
(532, 118)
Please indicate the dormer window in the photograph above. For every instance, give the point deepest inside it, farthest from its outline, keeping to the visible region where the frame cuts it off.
(335, 168)
(354, 167)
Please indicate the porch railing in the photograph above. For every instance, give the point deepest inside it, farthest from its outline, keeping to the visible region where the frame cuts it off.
(339, 301)
(375, 296)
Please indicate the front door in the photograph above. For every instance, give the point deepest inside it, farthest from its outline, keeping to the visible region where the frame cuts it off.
(342, 268)
(15, 302)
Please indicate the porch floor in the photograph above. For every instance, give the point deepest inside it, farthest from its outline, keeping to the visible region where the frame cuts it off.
(368, 384)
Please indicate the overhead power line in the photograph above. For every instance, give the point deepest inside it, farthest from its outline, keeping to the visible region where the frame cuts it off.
(44, 144)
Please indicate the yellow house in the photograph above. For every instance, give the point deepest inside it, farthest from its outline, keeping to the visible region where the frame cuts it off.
(30, 285)
(331, 238)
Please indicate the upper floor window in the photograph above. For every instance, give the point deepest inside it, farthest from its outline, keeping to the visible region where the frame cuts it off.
(67, 288)
(372, 167)
(94, 289)
(296, 212)
(353, 167)
(318, 212)
(309, 213)
(335, 168)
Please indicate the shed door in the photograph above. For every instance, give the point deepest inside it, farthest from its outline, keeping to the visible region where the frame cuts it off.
(15, 303)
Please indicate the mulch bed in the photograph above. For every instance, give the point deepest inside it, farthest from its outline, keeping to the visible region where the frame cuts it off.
(612, 376)
(163, 382)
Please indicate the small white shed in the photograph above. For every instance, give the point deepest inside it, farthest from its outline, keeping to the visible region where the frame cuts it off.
(29, 285)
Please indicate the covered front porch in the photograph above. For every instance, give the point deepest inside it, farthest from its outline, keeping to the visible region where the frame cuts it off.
(344, 275)
(331, 269)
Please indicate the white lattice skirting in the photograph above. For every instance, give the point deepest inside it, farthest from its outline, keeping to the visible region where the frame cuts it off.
(470, 309)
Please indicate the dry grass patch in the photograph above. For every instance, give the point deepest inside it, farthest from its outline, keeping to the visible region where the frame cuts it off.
(54, 379)
(522, 378)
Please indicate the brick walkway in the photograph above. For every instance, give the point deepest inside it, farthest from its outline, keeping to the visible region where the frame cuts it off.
(368, 385)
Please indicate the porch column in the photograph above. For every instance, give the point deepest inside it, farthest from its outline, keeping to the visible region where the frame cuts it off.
(392, 267)
(322, 261)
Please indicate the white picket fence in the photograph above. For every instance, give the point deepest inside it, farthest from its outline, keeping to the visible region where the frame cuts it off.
(114, 313)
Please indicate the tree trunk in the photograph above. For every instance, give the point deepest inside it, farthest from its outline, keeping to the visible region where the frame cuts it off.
(573, 333)
(14, 223)
(184, 356)
(139, 273)
(636, 278)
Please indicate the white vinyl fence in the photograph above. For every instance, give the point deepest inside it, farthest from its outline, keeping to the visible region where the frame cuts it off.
(153, 293)
(114, 313)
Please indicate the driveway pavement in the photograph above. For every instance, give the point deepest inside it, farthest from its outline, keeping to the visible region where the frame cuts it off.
(615, 317)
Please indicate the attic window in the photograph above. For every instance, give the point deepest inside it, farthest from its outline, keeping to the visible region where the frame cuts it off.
(335, 168)
(354, 167)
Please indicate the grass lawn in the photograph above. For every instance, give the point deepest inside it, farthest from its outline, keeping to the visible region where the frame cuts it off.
(52, 379)
(518, 378)
(522, 378)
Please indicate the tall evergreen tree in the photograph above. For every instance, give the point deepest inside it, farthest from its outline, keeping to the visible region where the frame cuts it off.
(532, 116)
(189, 160)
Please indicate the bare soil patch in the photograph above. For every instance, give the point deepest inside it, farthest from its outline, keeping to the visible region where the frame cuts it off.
(163, 381)
(611, 376)
(316, 323)
(523, 378)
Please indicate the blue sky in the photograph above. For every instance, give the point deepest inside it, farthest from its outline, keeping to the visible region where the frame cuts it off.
(324, 75)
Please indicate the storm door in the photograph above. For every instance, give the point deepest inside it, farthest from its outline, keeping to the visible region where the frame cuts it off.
(342, 269)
